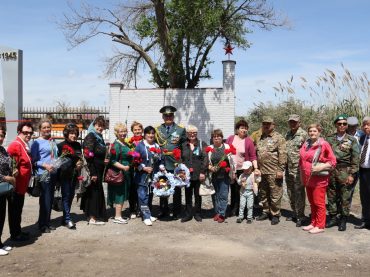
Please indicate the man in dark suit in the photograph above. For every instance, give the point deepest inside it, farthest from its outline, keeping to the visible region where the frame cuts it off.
(170, 136)
(365, 174)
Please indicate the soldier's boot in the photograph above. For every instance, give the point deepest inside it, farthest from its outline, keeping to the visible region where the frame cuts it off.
(342, 224)
(333, 221)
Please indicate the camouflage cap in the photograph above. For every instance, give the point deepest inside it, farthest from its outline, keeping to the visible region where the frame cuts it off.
(294, 117)
(340, 117)
(267, 119)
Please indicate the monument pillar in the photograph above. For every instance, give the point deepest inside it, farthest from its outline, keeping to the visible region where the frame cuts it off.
(12, 73)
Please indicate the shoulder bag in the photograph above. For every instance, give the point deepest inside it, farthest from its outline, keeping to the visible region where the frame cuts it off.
(315, 161)
(114, 176)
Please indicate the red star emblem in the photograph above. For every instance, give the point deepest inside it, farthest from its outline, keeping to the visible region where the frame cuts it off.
(228, 49)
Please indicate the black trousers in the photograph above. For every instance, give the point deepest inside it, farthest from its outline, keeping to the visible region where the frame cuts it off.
(193, 189)
(133, 199)
(2, 216)
(365, 193)
(176, 198)
(15, 208)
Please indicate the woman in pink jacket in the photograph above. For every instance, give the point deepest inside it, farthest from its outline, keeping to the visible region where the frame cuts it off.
(316, 161)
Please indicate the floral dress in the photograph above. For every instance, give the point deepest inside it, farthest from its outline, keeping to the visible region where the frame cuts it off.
(117, 194)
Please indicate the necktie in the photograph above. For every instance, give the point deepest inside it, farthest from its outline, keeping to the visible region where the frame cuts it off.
(168, 129)
(364, 151)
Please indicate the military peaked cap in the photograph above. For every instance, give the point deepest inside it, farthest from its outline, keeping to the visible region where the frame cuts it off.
(167, 110)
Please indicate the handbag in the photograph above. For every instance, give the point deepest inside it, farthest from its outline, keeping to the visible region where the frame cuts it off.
(113, 177)
(57, 201)
(206, 188)
(6, 188)
(34, 186)
(315, 161)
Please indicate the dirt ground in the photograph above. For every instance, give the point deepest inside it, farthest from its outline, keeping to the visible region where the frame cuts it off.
(172, 248)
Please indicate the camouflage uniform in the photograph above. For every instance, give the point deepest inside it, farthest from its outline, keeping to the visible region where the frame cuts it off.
(295, 189)
(271, 153)
(339, 194)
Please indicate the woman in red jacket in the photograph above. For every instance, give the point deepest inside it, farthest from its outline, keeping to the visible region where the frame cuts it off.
(316, 161)
(20, 152)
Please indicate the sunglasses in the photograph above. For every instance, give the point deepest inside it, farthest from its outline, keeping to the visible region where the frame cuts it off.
(27, 133)
(342, 124)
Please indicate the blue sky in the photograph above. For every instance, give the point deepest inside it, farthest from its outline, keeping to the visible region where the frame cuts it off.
(323, 34)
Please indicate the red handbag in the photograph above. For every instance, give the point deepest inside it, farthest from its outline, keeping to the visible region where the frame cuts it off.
(113, 177)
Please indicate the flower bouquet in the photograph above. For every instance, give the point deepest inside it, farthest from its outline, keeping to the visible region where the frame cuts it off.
(181, 176)
(163, 184)
(63, 161)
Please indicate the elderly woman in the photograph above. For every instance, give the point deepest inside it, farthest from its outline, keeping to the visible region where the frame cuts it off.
(70, 149)
(94, 149)
(316, 160)
(222, 169)
(6, 175)
(137, 130)
(119, 160)
(245, 151)
(195, 158)
(151, 159)
(44, 151)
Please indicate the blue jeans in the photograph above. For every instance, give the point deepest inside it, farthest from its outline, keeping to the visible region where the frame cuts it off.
(46, 201)
(144, 199)
(221, 196)
(68, 192)
(246, 197)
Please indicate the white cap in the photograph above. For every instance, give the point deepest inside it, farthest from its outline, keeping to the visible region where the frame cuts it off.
(247, 165)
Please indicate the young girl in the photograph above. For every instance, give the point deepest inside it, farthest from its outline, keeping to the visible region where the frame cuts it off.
(248, 182)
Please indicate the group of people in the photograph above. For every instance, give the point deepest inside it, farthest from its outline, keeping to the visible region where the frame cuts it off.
(247, 166)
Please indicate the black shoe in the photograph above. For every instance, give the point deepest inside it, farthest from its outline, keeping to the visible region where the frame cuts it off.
(262, 217)
(275, 220)
(162, 215)
(198, 218)
(333, 221)
(291, 218)
(175, 217)
(342, 224)
(239, 220)
(363, 225)
(20, 238)
(300, 222)
(249, 221)
(45, 230)
(26, 234)
(52, 228)
(186, 218)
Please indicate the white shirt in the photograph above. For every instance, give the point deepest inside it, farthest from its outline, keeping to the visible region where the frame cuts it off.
(366, 164)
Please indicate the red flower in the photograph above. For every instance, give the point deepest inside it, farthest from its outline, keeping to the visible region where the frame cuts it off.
(136, 138)
(88, 153)
(223, 164)
(165, 150)
(210, 149)
(155, 150)
(67, 150)
(191, 169)
(113, 151)
(231, 150)
(227, 169)
(80, 178)
(176, 153)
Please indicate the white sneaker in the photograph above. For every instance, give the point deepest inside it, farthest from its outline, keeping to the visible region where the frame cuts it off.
(3, 252)
(7, 248)
(120, 220)
(95, 222)
(152, 218)
(133, 216)
(148, 222)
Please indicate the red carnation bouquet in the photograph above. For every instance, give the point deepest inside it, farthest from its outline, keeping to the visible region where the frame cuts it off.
(176, 153)
(136, 158)
(223, 163)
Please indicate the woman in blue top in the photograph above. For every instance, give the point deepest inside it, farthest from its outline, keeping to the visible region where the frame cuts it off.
(43, 152)
(151, 159)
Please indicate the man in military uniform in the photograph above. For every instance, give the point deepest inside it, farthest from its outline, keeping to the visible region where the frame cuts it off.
(271, 157)
(295, 137)
(339, 192)
(170, 136)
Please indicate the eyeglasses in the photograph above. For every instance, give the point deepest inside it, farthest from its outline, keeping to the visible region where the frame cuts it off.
(27, 133)
(342, 124)
(192, 133)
